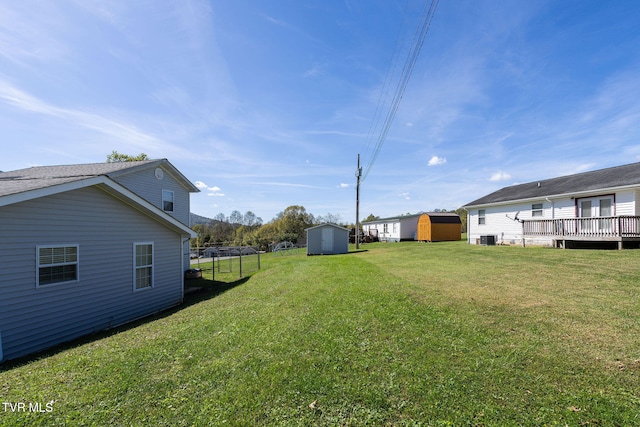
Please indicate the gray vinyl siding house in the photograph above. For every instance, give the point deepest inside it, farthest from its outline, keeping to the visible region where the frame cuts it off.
(80, 251)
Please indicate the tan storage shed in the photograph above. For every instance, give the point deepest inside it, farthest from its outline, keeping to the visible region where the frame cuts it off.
(439, 227)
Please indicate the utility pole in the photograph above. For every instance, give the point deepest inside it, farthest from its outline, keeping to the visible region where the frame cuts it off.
(358, 175)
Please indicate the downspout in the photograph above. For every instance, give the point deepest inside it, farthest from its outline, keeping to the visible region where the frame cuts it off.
(182, 244)
(468, 226)
(553, 216)
(553, 208)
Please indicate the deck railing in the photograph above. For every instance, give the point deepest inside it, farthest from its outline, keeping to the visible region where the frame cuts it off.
(584, 228)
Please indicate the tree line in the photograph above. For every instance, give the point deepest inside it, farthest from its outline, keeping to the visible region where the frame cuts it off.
(249, 230)
(289, 225)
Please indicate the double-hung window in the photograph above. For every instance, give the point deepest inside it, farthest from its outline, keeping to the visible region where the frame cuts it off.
(537, 210)
(143, 265)
(482, 217)
(167, 201)
(56, 264)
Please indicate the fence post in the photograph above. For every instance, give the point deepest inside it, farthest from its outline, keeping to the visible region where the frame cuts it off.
(241, 263)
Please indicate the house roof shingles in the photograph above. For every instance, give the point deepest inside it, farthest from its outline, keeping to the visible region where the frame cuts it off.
(602, 179)
(393, 218)
(34, 178)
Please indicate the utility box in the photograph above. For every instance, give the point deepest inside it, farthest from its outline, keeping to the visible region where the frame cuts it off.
(488, 240)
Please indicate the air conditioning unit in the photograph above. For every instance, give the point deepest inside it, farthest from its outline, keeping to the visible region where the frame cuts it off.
(488, 240)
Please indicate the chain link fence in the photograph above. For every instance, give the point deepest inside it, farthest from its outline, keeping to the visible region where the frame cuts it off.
(226, 260)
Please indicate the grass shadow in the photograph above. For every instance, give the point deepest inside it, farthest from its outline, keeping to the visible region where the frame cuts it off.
(206, 289)
(197, 290)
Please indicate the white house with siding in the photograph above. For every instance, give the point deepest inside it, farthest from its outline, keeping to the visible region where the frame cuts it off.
(88, 247)
(393, 229)
(596, 206)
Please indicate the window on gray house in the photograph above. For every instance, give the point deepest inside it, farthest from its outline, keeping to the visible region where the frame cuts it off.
(143, 265)
(167, 201)
(57, 264)
(481, 217)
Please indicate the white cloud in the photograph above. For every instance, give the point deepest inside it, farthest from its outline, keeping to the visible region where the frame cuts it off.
(343, 185)
(436, 161)
(406, 196)
(213, 191)
(500, 176)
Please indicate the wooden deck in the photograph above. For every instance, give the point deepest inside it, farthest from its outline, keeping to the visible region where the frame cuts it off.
(600, 229)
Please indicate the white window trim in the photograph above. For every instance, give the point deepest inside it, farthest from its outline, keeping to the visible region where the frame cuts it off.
(173, 200)
(135, 267)
(540, 210)
(595, 204)
(38, 266)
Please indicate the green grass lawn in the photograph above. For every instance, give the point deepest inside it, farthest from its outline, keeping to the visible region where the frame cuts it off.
(400, 334)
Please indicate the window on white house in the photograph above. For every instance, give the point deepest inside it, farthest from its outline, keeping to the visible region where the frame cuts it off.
(481, 217)
(385, 228)
(143, 265)
(57, 264)
(536, 210)
(606, 207)
(167, 201)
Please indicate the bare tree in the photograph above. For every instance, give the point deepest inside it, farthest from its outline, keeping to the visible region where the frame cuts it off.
(235, 217)
(249, 219)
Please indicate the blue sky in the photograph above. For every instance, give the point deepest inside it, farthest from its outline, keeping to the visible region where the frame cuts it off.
(266, 104)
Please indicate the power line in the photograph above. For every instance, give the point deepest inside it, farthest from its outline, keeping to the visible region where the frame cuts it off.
(391, 71)
(427, 14)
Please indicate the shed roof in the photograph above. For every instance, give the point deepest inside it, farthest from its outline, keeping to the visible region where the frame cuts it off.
(327, 224)
(444, 217)
(601, 179)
